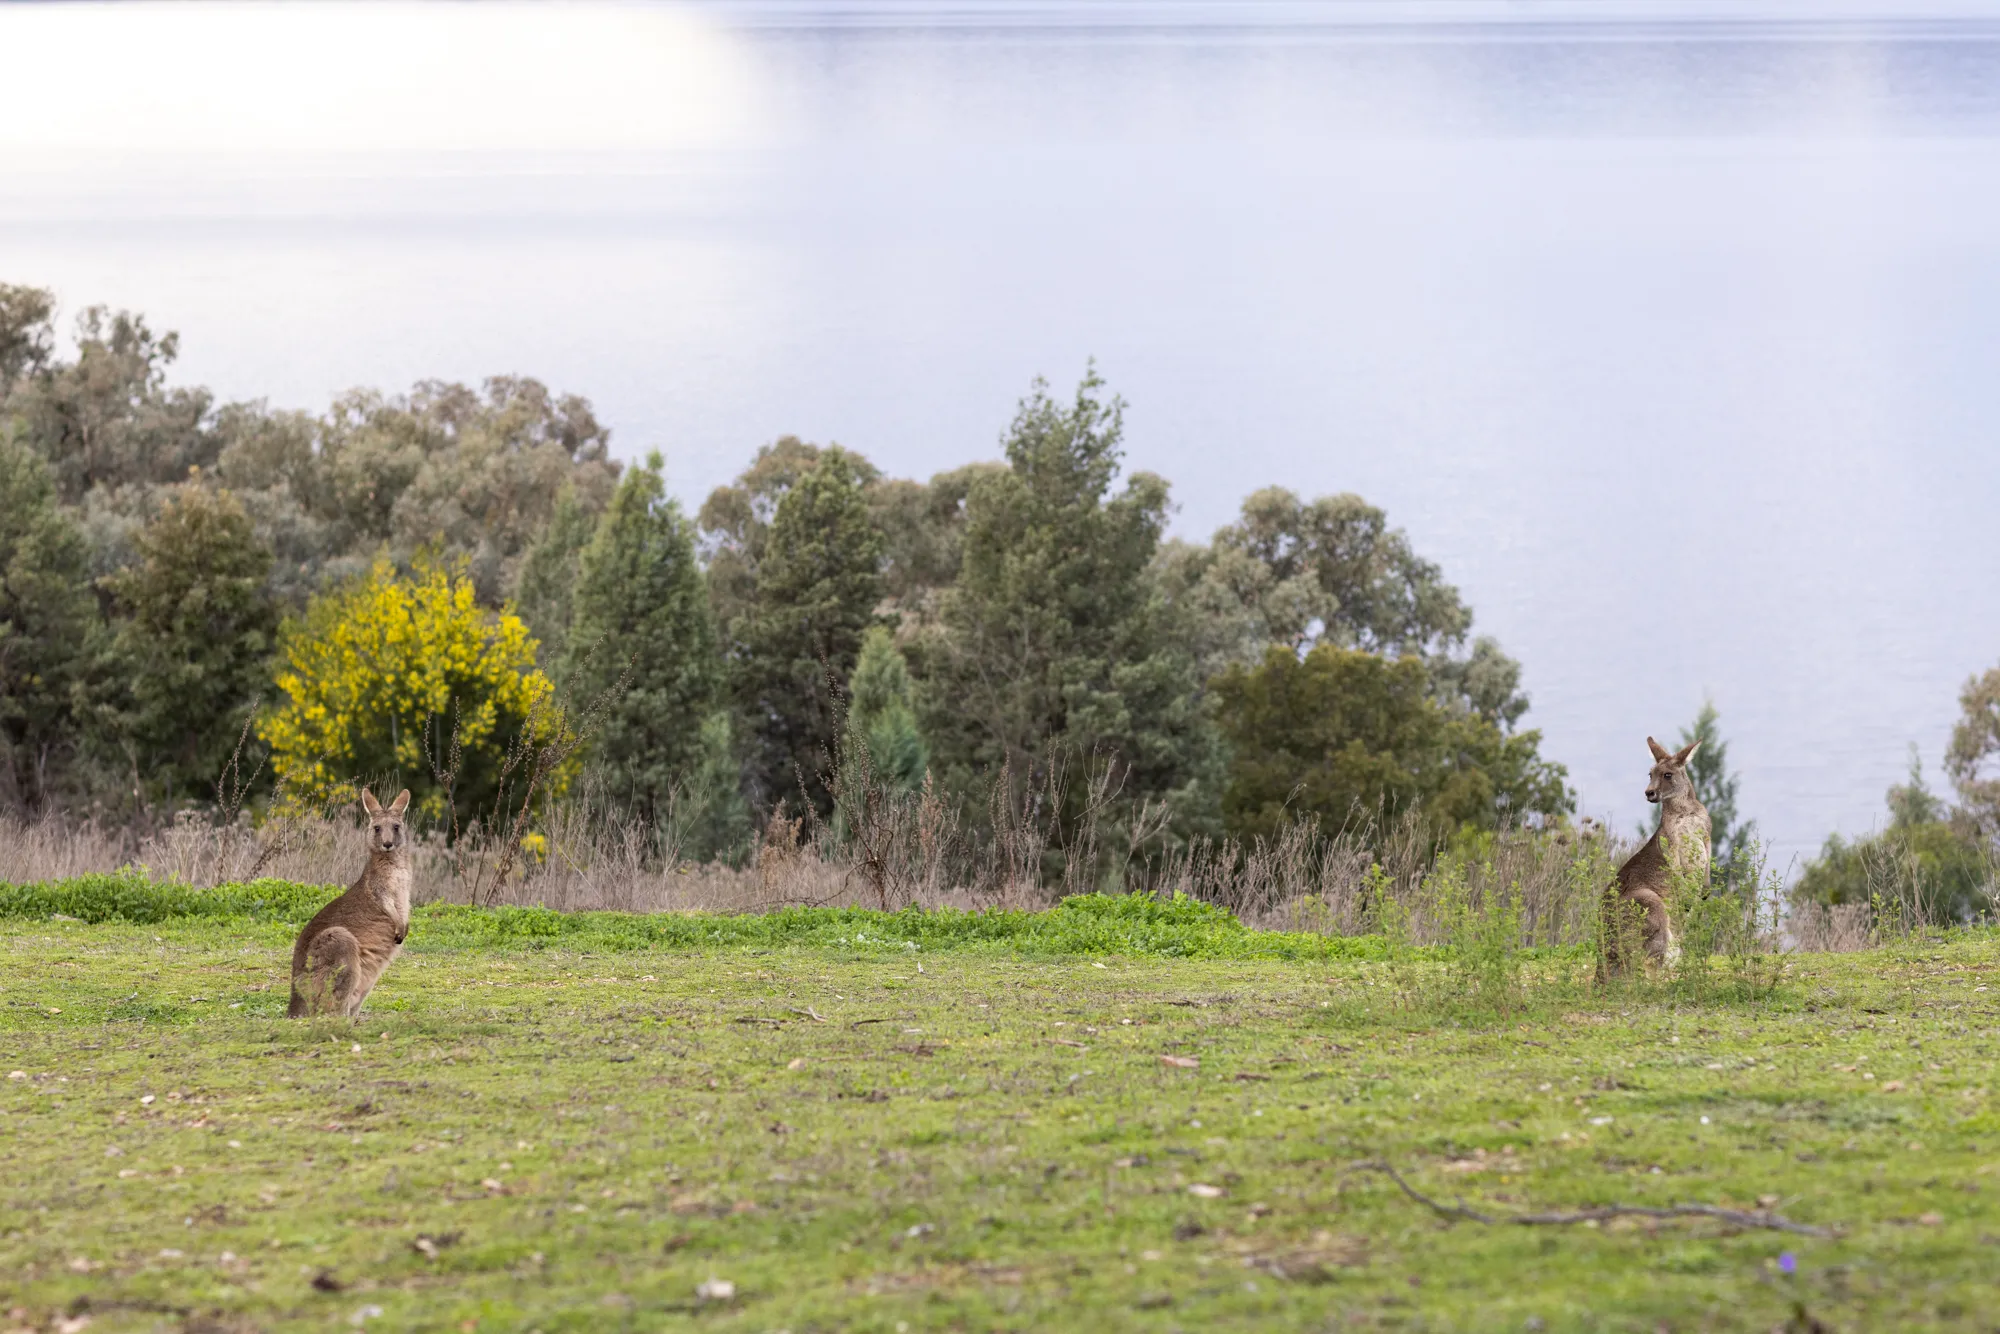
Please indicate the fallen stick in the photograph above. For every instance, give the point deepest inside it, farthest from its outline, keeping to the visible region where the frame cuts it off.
(809, 1012)
(1599, 1213)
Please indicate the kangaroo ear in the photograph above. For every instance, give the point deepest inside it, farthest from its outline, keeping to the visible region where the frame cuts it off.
(1686, 751)
(401, 803)
(369, 804)
(1659, 751)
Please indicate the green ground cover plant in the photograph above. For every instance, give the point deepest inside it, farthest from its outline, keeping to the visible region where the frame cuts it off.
(587, 1126)
(1085, 924)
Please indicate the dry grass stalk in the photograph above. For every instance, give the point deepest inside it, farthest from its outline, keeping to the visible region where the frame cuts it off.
(49, 847)
(598, 858)
(890, 848)
(1831, 928)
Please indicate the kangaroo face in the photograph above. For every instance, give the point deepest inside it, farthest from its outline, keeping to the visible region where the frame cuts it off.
(1669, 777)
(386, 830)
(1665, 781)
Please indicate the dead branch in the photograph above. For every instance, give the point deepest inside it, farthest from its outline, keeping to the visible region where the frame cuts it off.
(1599, 1213)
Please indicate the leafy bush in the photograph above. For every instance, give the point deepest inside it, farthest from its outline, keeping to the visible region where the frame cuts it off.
(1930, 873)
(1341, 731)
(193, 649)
(1930, 867)
(407, 676)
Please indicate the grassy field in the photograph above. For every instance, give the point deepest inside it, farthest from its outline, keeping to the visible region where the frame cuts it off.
(585, 1126)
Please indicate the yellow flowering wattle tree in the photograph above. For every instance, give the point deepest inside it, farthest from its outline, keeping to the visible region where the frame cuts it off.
(406, 680)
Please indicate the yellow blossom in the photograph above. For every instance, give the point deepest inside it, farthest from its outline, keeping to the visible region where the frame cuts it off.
(388, 677)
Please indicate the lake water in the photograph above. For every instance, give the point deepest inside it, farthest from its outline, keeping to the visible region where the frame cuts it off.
(1675, 340)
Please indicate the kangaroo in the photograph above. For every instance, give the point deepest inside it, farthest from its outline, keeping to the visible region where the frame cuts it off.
(1679, 844)
(344, 949)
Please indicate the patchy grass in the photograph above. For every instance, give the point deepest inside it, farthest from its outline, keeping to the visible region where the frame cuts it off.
(561, 1132)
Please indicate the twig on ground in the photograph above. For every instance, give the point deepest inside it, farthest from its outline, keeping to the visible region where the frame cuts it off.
(755, 1019)
(809, 1013)
(1598, 1213)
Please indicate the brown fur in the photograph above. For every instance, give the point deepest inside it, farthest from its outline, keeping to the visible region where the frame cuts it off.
(1646, 878)
(345, 948)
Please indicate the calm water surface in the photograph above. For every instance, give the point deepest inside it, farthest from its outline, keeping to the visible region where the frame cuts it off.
(1676, 342)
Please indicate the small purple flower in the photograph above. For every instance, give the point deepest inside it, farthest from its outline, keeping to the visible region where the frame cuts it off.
(1788, 1264)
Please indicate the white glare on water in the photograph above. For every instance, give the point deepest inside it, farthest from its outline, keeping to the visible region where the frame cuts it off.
(298, 79)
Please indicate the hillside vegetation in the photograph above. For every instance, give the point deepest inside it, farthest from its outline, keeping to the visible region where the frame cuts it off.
(1003, 683)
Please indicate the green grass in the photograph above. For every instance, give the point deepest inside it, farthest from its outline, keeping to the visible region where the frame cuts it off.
(1089, 924)
(584, 1121)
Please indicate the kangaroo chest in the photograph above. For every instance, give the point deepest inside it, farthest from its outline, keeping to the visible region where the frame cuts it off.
(389, 890)
(1685, 836)
(392, 892)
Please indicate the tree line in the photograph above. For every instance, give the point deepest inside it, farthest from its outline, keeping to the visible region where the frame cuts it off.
(1937, 860)
(416, 586)
(176, 566)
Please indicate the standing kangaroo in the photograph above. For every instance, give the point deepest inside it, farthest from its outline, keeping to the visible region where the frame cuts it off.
(345, 947)
(1678, 846)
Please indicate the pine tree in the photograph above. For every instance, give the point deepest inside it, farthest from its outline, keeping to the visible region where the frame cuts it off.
(818, 580)
(548, 575)
(193, 649)
(49, 629)
(641, 613)
(880, 717)
(715, 819)
(1055, 636)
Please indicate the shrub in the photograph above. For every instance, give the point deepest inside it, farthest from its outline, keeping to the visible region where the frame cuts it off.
(1923, 874)
(406, 680)
(1340, 732)
(193, 645)
(1930, 867)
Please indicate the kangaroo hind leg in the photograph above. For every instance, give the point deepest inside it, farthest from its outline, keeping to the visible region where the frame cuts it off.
(333, 973)
(1658, 929)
